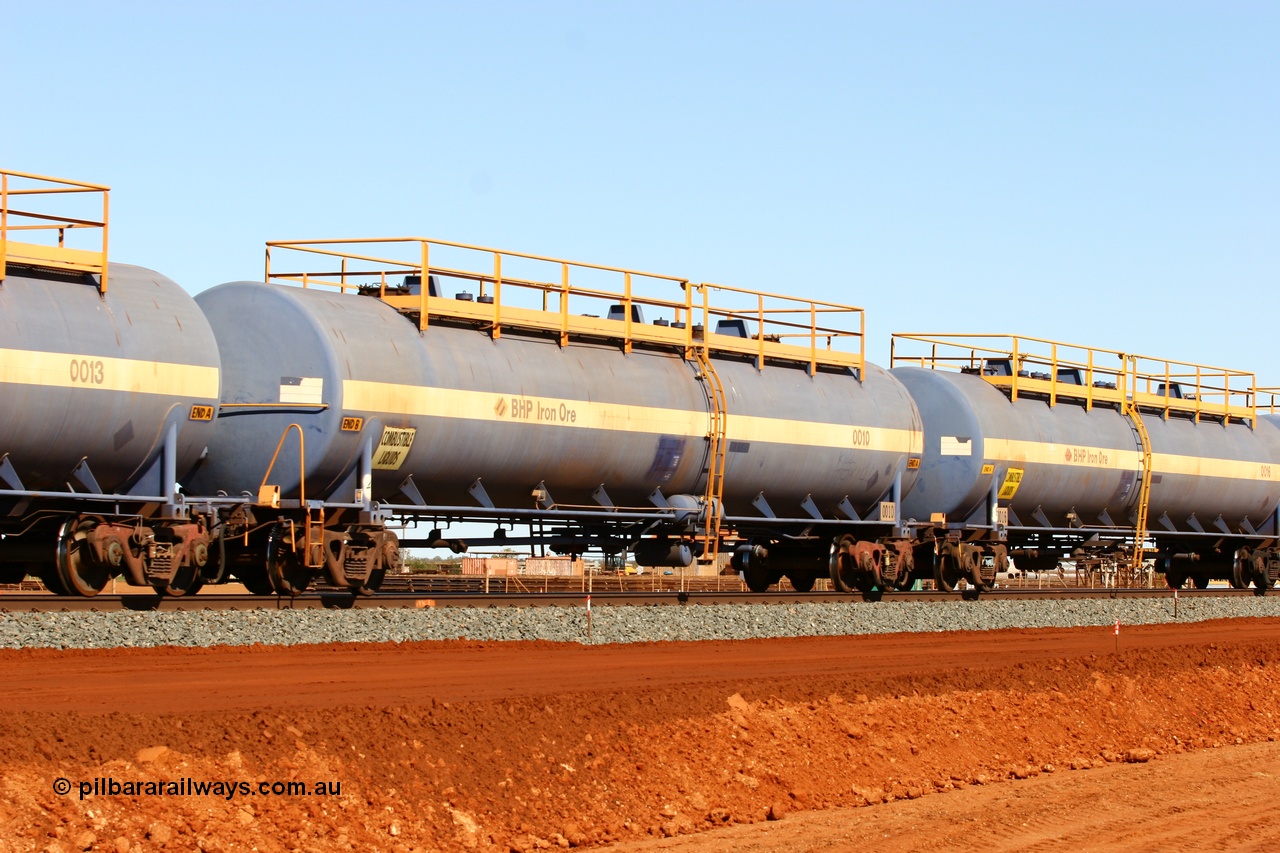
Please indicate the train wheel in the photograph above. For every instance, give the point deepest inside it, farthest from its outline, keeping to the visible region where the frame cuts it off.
(15, 573)
(1174, 580)
(841, 563)
(77, 570)
(185, 581)
(372, 585)
(1000, 558)
(391, 562)
(802, 583)
(1258, 574)
(756, 577)
(1200, 582)
(752, 563)
(972, 559)
(52, 580)
(1241, 570)
(255, 580)
(868, 578)
(948, 568)
(287, 574)
(246, 565)
(945, 573)
(906, 566)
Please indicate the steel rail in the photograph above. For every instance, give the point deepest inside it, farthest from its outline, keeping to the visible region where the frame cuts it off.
(42, 603)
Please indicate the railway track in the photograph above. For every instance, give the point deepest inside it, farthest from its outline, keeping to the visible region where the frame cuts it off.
(42, 603)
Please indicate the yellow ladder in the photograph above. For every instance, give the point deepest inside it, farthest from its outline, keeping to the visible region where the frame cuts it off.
(715, 455)
(1144, 490)
(313, 553)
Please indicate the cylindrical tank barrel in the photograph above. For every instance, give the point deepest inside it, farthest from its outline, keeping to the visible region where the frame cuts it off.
(1048, 462)
(826, 438)
(452, 405)
(101, 378)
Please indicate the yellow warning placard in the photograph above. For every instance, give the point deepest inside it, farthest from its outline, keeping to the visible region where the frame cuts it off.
(1009, 488)
(393, 448)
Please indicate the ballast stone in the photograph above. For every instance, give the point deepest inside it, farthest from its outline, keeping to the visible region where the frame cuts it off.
(610, 623)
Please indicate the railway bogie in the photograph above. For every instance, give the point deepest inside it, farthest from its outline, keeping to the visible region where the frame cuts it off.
(1257, 567)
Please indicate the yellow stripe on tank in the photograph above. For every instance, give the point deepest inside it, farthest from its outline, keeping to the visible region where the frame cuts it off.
(815, 434)
(1049, 453)
(1197, 466)
(416, 400)
(413, 400)
(73, 370)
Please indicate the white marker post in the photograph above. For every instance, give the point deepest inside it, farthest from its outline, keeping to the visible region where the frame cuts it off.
(588, 617)
(1117, 636)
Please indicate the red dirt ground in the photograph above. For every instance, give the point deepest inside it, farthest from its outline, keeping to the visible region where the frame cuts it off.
(450, 746)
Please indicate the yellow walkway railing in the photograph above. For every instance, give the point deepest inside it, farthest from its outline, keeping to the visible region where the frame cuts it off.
(1269, 400)
(574, 299)
(1057, 371)
(53, 252)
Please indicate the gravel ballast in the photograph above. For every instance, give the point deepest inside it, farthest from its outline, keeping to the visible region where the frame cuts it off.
(610, 624)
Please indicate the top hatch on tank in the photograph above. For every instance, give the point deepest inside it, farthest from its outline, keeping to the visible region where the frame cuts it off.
(497, 291)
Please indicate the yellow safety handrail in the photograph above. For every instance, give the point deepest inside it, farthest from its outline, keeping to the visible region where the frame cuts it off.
(523, 290)
(1053, 370)
(1132, 412)
(717, 444)
(43, 222)
(313, 534)
(1272, 403)
(302, 464)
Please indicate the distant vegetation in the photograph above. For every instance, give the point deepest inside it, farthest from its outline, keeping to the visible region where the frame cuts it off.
(451, 565)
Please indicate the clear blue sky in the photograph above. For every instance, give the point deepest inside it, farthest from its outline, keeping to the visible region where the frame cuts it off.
(1104, 173)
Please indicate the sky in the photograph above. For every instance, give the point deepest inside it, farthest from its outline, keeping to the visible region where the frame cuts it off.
(1100, 173)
